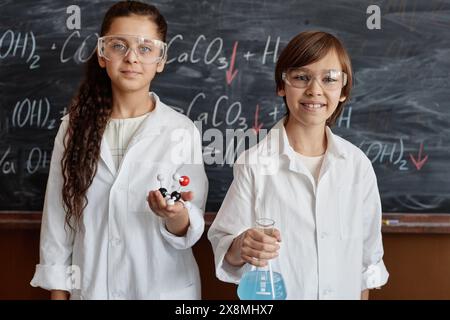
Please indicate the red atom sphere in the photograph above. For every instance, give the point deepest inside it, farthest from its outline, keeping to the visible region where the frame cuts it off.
(184, 181)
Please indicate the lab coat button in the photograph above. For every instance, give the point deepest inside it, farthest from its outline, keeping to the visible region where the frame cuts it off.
(323, 235)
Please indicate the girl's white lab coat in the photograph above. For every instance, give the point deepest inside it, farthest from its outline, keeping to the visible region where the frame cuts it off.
(331, 245)
(124, 250)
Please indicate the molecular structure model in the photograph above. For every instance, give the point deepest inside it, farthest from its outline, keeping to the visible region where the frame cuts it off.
(171, 197)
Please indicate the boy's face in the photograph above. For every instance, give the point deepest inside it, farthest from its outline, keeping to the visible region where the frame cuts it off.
(128, 73)
(313, 105)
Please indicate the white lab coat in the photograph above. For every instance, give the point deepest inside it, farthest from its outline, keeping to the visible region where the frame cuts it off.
(124, 250)
(331, 244)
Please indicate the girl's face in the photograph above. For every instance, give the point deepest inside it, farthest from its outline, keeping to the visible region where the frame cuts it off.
(128, 74)
(313, 105)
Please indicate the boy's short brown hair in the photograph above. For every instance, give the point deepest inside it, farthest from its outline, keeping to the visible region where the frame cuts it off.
(308, 47)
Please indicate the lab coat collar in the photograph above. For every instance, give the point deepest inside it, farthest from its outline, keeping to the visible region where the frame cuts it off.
(151, 126)
(336, 149)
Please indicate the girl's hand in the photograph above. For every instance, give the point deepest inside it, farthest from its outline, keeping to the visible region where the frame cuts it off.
(176, 216)
(159, 206)
(257, 248)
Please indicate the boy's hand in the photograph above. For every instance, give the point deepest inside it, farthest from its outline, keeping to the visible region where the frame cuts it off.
(257, 248)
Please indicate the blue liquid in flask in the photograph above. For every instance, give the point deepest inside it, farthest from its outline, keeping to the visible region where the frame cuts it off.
(256, 285)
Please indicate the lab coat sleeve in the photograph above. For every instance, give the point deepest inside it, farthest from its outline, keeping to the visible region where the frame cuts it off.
(56, 240)
(234, 217)
(374, 272)
(193, 168)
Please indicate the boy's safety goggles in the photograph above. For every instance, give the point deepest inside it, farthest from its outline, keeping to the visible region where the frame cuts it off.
(327, 79)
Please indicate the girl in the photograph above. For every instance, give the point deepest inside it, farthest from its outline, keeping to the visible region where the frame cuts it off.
(104, 236)
(322, 193)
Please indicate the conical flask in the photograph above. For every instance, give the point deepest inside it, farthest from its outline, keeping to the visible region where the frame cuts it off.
(263, 283)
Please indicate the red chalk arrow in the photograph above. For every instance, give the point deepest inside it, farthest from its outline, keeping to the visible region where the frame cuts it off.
(257, 126)
(419, 163)
(231, 73)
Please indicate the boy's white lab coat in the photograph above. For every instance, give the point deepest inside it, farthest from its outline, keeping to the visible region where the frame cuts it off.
(124, 250)
(331, 244)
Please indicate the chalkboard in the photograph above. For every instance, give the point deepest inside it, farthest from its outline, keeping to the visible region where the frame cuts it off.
(221, 70)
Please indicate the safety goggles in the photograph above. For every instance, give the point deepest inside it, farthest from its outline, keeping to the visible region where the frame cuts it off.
(327, 79)
(147, 51)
